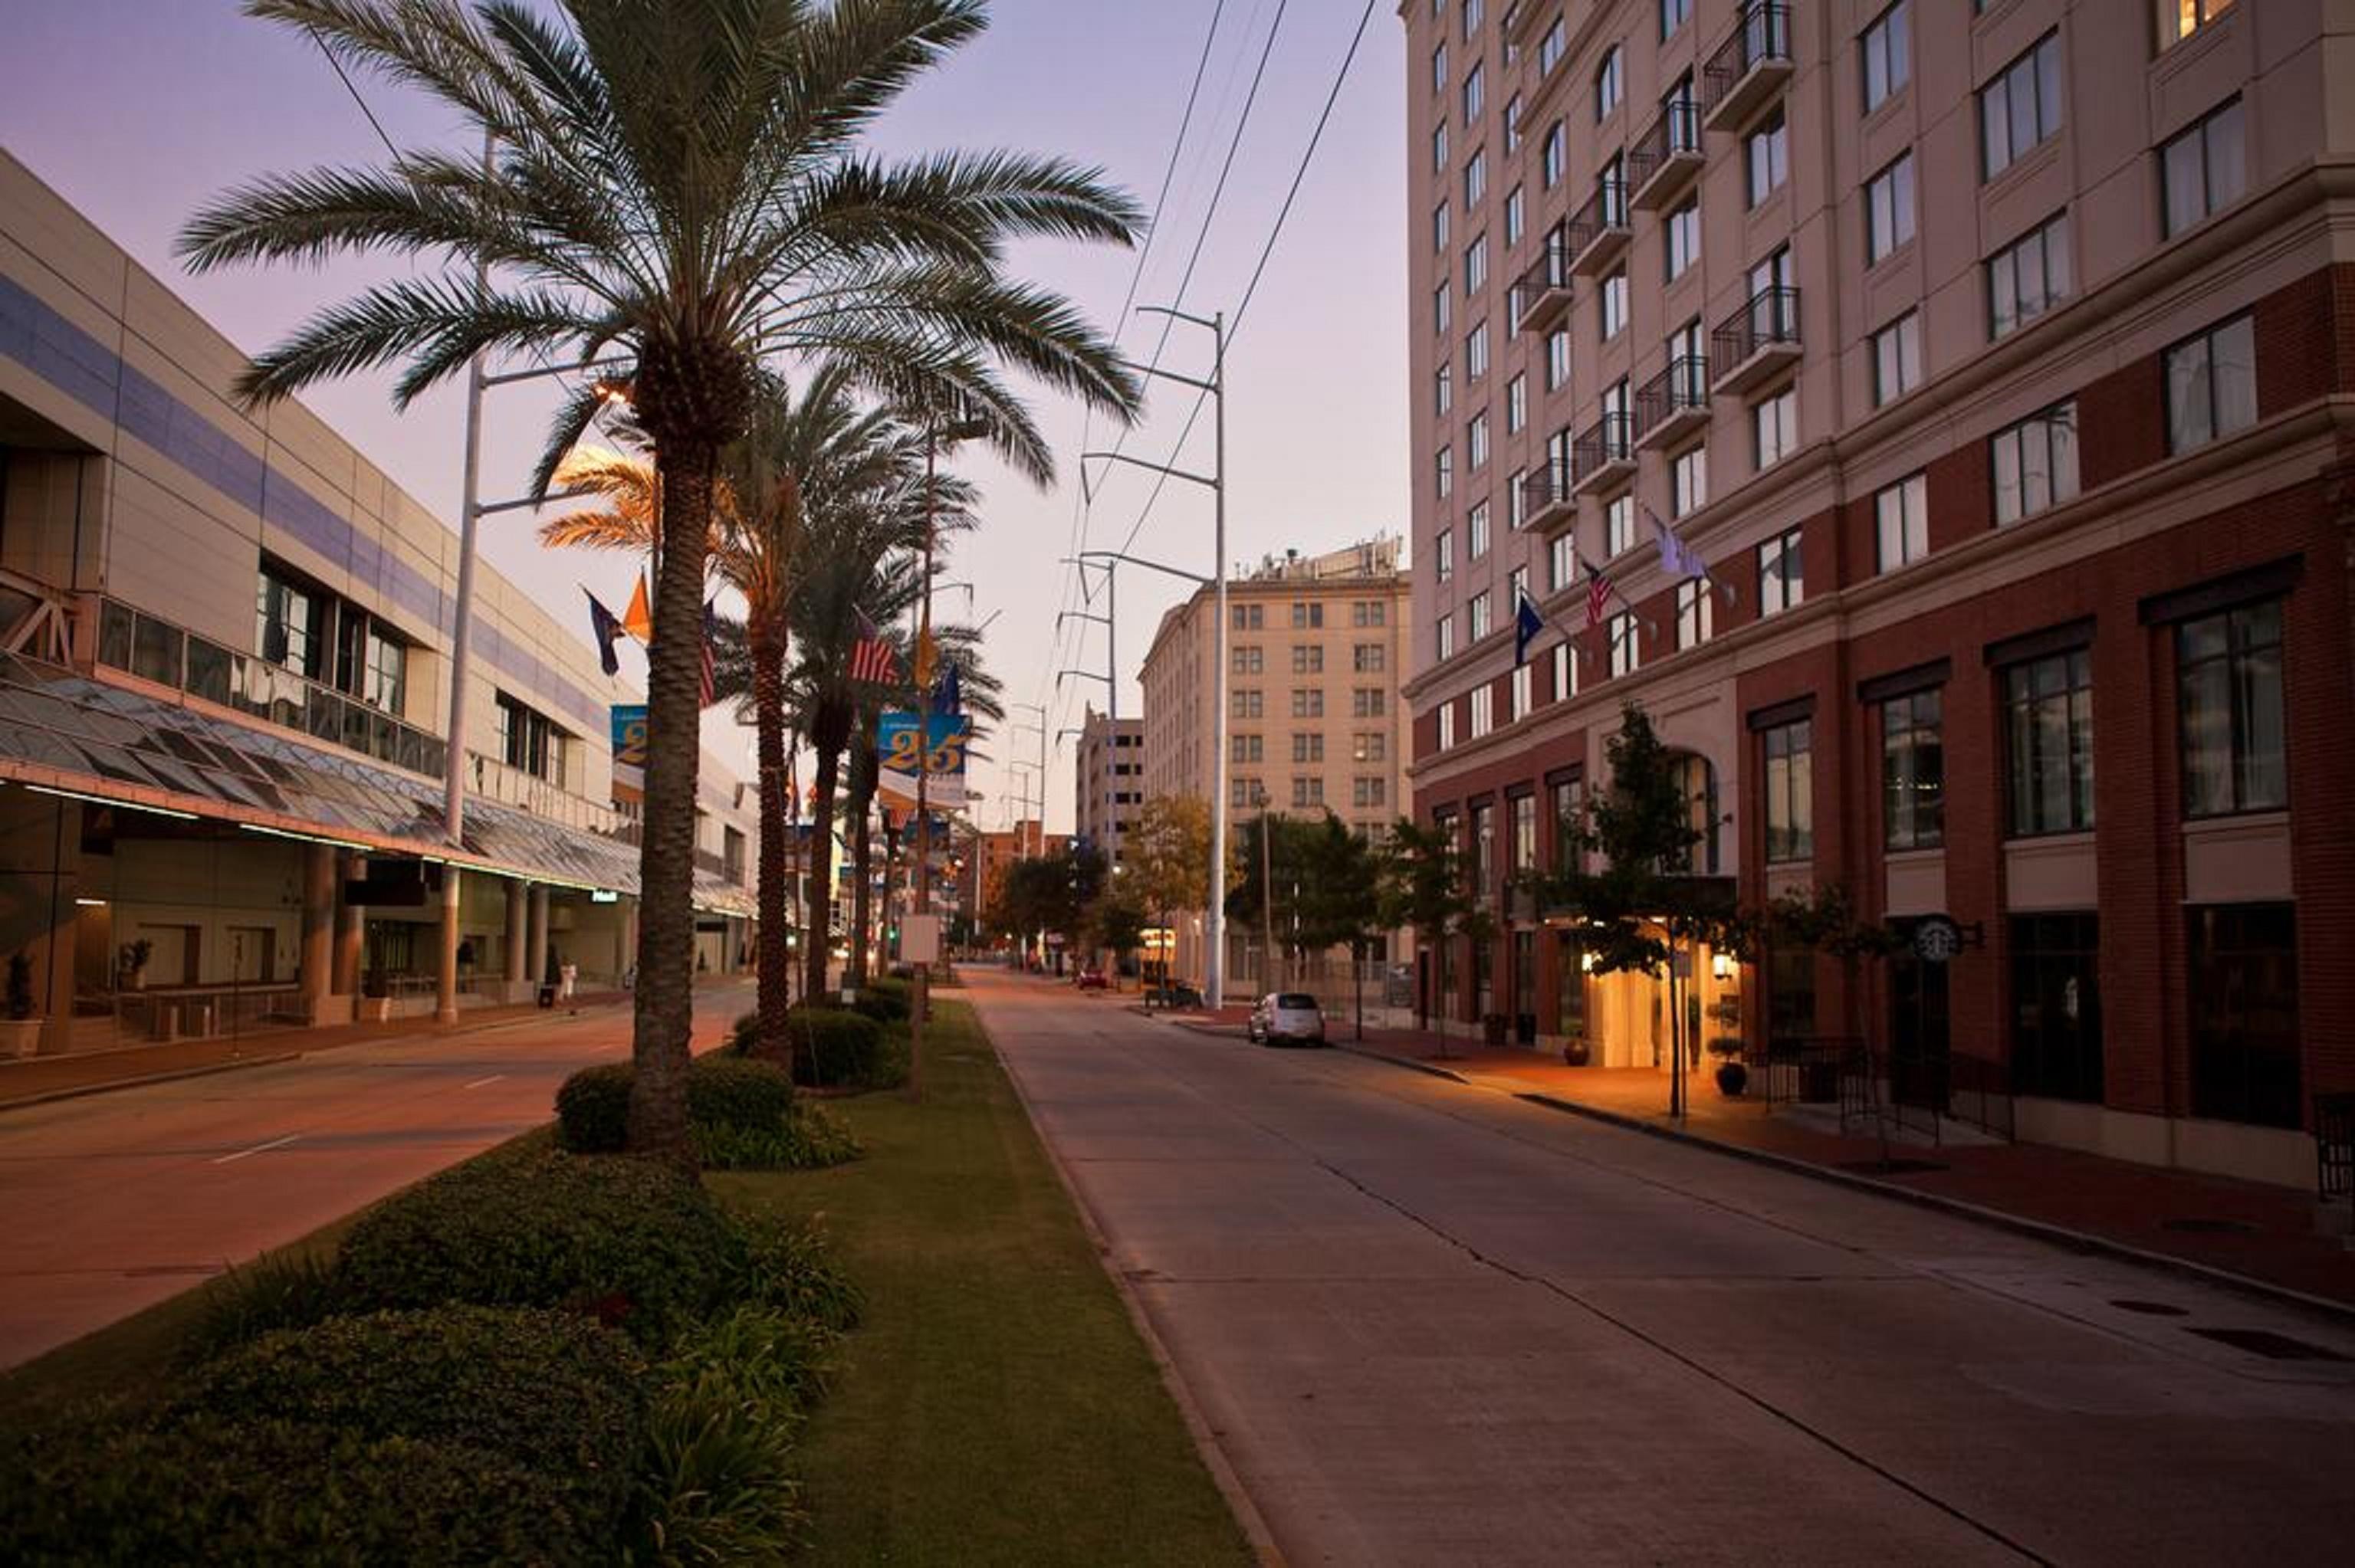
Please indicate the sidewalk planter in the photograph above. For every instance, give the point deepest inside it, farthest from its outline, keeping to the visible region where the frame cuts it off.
(1732, 1077)
(20, 1037)
(1575, 1053)
(1492, 1028)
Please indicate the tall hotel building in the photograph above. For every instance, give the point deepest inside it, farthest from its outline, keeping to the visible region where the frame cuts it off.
(1997, 360)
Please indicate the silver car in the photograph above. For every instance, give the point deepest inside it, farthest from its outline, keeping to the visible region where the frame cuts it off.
(1288, 1015)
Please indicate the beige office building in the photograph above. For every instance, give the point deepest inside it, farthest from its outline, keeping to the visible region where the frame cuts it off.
(1108, 783)
(1316, 648)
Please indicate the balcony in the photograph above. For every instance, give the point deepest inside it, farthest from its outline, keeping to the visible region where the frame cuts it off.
(1541, 294)
(1601, 456)
(1548, 503)
(1666, 156)
(1672, 402)
(1598, 231)
(1756, 342)
(1749, 67)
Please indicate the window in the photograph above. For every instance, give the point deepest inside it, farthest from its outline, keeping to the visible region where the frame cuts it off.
(1517, 406)
(1913, 772)
(2022, 107)
(2211, 385)
(1888, 56)
(1308, 615)
(1897, 358)
(1684, 237)
(1781, 583)
(1246, 748)
(290, 623)
(1557, 372)
(1442, 308)
(2049, 730)
(1475, 441)
(1368, 612)
(1476, 353)
(1484, 709)
(1562, 561)
(1552, 157)
(1512, 125)
(2028, 277)
(1888, 206)
(1476, 615)
(1443, 393)
(1369, 746)
(1476, 529)
(2229, 673)
(2036, 463)
(1565, 671)
(1439, 68)
(1569, 803)
(1307, 659)
(1476, 265)
(1246, 703)
(1674, 14)
(1472, 96)
(1688, 481)
(1516, 216)
(1626, 657)
(1242, 793)
(1775, 427)
(2056, 1006)
(1517, 500)
(1766, 157)
(1551, 48)
(1613, 298)
(1476, 178)
(1368, 790)
(1366, 658)
(1439, 148)
(1442, 551)
(1610, 82)
(1789, 779)
(1516, 695)
(1443, 463)
(1439, 227)
(1446, 725)
(1248, 617)
(1695, 618)
(1471, 18)
(1308, 748)
(1447, 637)
(1369, 701)
(1900, 515)
(528, 742)
(1246, 659)
(1618, 526)
(2242, 973)
(1484, 849)
(387, 678)
(2178, 19)
(1307, 702)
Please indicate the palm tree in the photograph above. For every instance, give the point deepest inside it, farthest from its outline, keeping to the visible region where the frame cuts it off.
(678, 184)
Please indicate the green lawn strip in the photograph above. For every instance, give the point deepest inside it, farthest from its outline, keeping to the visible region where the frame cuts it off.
(997, 1405)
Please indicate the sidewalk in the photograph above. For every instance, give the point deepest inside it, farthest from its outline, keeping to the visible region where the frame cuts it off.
(2255, 1233)
(33, 1079)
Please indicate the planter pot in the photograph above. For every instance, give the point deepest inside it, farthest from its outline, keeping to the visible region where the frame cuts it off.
(19, 1036)
(1575, 1053)
(1732, 1077)
(1492, 1028)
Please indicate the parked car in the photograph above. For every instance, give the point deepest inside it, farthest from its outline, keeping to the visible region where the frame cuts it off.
(1291, 1015)
(1090, 979)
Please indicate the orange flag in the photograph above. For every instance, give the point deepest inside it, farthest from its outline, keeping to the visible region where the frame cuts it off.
(927, 659)
(638, 620)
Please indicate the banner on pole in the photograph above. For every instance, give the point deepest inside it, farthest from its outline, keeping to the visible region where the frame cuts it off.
(909, 744)
(630, 734)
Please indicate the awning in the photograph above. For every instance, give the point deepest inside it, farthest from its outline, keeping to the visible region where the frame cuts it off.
(65, 731)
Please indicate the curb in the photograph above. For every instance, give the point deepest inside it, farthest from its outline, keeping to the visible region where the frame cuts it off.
(84, 1091)
(1978, 1213)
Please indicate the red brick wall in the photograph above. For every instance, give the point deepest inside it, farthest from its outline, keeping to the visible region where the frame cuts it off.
(2122, 422)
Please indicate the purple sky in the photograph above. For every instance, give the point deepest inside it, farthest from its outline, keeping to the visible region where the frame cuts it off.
(138, 109)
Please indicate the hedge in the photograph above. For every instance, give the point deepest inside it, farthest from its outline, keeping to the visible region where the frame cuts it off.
(542, 1389)
(637, 1242)
(592, 1108)
(835, 1047)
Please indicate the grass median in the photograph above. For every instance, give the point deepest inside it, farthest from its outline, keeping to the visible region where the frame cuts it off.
(997, 1403)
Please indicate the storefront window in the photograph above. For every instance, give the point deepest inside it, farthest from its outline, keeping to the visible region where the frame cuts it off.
(2056, 1006)
(2243, 996)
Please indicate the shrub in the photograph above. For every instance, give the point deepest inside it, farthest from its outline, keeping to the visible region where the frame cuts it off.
(542, 1389)
(277, 1492)
(284, 1289)
(885, 1001)
(809, 1139)
(592, 1108)
(787, 1266)
(715, 1484)
(779, 1360)
(832, 1047)
(638, 1242)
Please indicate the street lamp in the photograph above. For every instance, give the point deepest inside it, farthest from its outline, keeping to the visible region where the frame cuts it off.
(1214, 958)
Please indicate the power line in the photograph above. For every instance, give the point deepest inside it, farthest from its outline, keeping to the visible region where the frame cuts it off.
(345, 76)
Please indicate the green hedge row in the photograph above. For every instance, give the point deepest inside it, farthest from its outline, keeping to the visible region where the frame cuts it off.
(742, 1112)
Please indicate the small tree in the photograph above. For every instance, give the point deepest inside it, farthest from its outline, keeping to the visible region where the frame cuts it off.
(1423, 889)
(1169, 860)
(1340, 901)
(1116, 921)
(1823, 920)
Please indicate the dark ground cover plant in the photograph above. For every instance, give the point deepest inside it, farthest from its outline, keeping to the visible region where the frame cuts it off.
(839, 1047)
(742, 1112)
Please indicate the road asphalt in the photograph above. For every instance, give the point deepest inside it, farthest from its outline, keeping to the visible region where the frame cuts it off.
(113, 1203)
(1425, 1323)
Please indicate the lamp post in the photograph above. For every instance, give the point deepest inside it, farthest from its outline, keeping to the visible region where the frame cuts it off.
(1214, 943)
(1040, 709)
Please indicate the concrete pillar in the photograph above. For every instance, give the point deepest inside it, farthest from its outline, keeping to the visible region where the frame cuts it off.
(445, 978)
(318, 931)
(351, 920)
(518, 935)
(535, 947)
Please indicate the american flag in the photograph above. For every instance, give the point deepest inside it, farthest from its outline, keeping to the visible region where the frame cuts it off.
(1598, 598)
(708, 675)
(871, 658)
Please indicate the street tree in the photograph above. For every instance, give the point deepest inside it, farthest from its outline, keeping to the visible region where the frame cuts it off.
(1424, 889)
(1340, 903)
(1168, 849)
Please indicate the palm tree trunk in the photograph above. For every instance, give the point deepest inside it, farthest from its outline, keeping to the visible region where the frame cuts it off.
(775, 957)
(829, 735)
(664, 999)
(861, 808)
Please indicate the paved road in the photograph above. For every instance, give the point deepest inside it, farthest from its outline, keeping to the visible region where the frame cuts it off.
(115, 1201)
(1432, 1324)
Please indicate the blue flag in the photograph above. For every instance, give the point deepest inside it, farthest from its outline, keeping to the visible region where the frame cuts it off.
(607, 626)
(1527, 624)
(948, 693)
